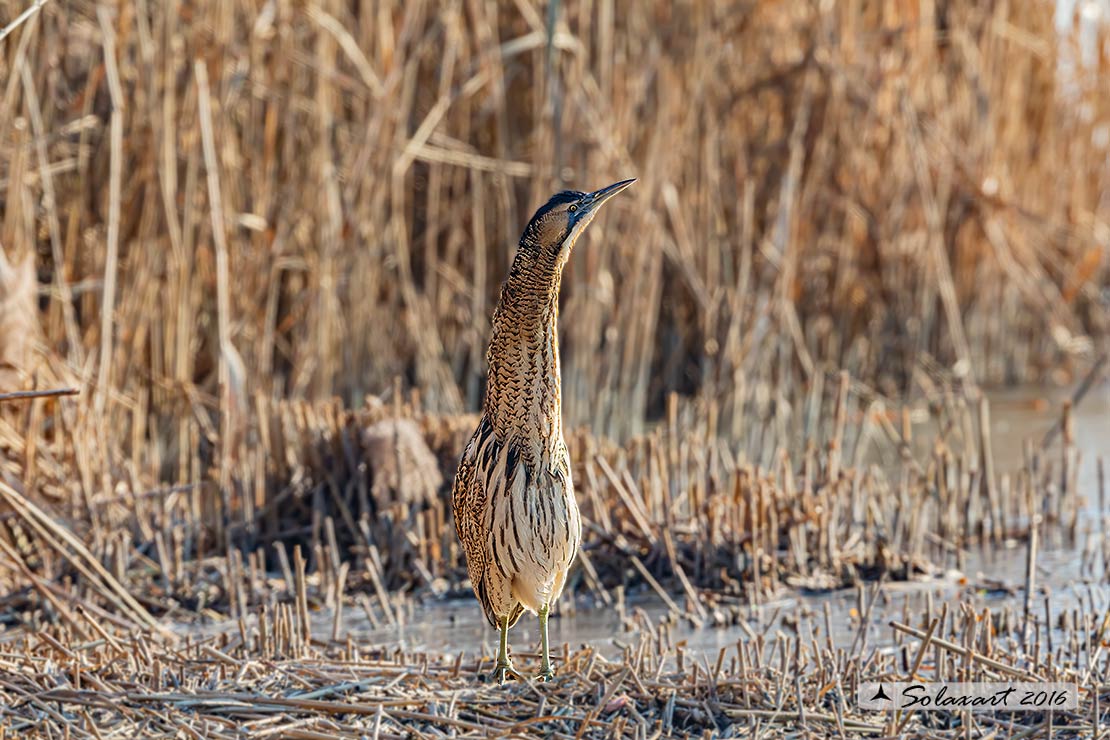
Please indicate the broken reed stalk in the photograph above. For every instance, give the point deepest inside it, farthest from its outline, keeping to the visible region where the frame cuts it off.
(30, 395)
(1030, 564)
(961, 650)
(254, 679)
(22, 18)
(64, 543)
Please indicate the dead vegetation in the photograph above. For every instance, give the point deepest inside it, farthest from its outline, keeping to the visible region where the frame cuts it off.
(792, 676)
(319, 202)
(678, 511)
(263, 241)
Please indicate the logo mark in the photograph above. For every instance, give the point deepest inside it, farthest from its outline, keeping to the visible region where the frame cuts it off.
(880, 695)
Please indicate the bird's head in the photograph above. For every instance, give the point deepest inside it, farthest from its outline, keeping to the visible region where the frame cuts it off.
(557, 225)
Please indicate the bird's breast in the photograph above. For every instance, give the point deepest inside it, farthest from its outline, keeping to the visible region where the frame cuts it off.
(538, 515)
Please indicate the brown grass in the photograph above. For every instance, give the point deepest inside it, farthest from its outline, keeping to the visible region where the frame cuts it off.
(353, 499)
(240, 211)
(793, 675)
(862, 189)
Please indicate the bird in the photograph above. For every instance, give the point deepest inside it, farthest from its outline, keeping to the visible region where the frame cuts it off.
(513, 498)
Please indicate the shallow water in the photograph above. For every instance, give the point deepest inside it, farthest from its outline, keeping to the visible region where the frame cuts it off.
(457, 625)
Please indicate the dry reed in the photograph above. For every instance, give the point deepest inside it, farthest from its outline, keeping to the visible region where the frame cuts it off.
(793, 676)
(315, 201)
(849, 217)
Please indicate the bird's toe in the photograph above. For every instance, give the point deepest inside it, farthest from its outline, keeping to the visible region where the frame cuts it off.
(500, 673)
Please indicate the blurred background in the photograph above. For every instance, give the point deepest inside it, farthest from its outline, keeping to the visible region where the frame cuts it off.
(227, 221)
(878, 186)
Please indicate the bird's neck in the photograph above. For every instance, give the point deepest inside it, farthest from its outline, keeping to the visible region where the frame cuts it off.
(524, 383)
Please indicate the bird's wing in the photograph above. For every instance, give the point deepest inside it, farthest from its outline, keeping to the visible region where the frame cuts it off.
(468, 499)
(473, 521)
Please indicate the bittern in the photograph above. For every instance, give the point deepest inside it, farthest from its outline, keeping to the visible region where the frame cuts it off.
(513, 496)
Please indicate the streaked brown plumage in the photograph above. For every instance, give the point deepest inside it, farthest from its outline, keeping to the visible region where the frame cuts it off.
(515, 511)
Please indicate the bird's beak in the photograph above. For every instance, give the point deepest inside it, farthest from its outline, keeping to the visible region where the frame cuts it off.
(593, 201)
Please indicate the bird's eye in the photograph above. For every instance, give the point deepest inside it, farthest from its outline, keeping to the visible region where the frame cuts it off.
(573, 208)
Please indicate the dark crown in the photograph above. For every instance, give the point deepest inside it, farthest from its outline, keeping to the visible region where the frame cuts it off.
(563, 196)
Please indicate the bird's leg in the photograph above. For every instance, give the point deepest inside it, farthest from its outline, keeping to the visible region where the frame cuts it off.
(546, 673)
(504, 664)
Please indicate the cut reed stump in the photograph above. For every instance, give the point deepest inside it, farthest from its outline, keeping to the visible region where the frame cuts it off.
(793, 675)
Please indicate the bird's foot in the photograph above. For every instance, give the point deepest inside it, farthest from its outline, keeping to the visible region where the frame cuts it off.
(500, 672)
(547, 674)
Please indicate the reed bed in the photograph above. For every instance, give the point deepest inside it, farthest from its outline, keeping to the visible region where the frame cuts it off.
(354, 500)
(310, 200)
(789, 676)
(260, 243)
(236, 214)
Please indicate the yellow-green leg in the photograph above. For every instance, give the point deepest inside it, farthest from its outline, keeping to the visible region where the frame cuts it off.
(504, 664)
(546, 673)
